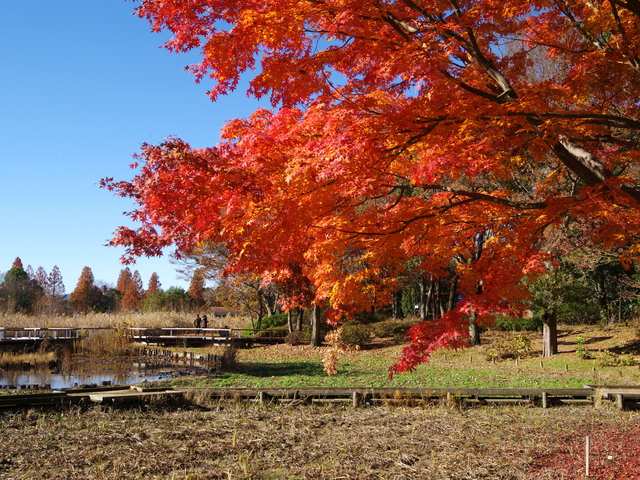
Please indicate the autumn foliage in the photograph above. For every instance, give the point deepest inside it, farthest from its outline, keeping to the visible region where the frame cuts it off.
(401, 132)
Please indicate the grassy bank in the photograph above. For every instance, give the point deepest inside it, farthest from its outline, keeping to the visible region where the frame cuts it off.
(298, 366)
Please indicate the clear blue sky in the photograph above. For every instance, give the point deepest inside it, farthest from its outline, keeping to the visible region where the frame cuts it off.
(83, 85)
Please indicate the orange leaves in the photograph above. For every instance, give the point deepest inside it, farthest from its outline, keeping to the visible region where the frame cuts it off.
(401, 134)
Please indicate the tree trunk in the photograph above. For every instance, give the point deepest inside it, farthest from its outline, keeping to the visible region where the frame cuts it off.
(549, 334)
(396, 304)
(453, 294)
(289, 321)
(299, 319)
(474, 331)
(315, 326)
(425, 298)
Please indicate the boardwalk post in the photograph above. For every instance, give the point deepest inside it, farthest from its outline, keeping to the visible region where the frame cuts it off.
(545, 400)
(586, 459)
(619, 401)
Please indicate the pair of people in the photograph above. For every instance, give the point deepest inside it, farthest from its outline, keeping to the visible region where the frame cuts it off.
(200, 322)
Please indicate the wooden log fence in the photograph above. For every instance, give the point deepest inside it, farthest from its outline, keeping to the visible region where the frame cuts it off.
(622, 397)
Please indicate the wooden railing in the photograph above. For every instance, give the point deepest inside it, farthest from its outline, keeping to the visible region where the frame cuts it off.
(17, 334)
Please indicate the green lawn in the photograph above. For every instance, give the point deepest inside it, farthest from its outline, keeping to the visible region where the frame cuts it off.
(286, 366)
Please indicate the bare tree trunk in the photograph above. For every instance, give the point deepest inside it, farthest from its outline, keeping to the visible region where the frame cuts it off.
(438, 298)
(315, 326)
(425, 298)
(453, 293)
(474, 331)
(549, 334)
(289, 321)
(396, 304)
(299, 319)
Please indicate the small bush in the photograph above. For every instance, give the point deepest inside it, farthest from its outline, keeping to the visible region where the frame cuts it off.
(401, 330)
(295, 338)
(581, 350)
(508, 346)
(274, 321)
(356, 335)
(606, 358)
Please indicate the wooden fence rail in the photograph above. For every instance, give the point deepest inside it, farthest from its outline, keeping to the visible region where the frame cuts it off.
(620, 396)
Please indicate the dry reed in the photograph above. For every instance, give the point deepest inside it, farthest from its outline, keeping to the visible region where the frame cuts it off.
(115, 320)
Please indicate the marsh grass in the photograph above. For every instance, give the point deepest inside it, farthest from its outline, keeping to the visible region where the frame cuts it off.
(318, 442)
(115, 320)
(105, 343)
(35, 359)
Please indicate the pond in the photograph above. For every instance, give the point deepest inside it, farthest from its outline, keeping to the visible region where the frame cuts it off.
(85, 373)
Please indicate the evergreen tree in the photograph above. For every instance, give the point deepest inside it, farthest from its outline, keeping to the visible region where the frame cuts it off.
(18, 293)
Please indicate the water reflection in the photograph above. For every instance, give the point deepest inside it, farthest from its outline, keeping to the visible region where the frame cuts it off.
(93, 373)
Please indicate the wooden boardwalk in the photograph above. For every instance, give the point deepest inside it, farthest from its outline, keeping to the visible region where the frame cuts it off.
(17, 337)
(174, 336)
(195, 337)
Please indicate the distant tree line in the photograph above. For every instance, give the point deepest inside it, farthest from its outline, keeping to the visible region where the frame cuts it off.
(29, 291)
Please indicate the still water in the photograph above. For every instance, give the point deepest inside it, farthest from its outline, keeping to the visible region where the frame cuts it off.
(93, 373)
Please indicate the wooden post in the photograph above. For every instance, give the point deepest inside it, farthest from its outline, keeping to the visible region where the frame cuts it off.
(586, 459)
(545, 399)
(619, 401)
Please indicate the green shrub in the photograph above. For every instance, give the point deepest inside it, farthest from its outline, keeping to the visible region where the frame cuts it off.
(356, 335)
(508, 346)
(581, 350)
(401, 329)
(277, 322)
(274, 321)
(519, 324)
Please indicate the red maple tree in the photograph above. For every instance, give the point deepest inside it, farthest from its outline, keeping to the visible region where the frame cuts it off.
(401, 131)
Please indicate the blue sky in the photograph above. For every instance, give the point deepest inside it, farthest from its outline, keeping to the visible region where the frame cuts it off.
(83, 85)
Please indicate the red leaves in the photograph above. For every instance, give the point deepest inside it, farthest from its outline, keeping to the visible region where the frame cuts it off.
(403, 132)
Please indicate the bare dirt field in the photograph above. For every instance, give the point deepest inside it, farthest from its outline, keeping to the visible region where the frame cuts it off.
(229, 441)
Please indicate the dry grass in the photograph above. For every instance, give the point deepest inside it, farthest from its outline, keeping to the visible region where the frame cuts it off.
(99, 320)
(11, 360)
(270, 442)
